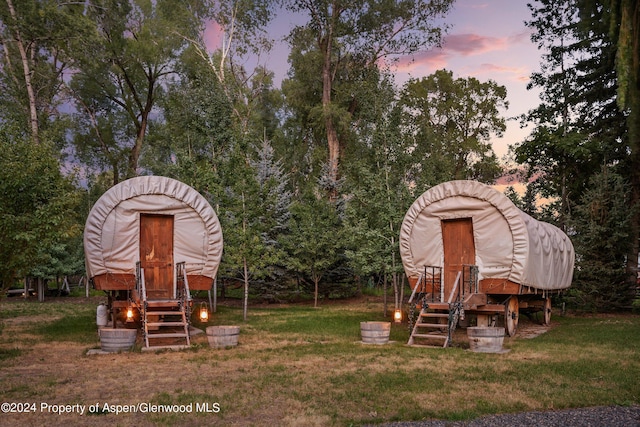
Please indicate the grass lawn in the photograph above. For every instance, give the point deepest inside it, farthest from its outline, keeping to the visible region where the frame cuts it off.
(300, 366)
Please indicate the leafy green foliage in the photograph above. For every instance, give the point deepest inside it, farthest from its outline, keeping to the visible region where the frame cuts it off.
(38, 38)
(580, 130)
(120, 75)
(36, 207)
(314, 241)
(339, 48)
(451, 123)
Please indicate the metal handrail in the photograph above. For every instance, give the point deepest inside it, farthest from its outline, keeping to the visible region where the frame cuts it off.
(415, 288)
(140, 284)
(143, 287)
(184, 294)
(455, 287)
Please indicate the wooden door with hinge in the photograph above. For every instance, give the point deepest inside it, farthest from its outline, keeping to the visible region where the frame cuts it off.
(156, 254)
(459, 249)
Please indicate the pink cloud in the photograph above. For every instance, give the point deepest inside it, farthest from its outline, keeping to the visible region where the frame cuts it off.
(431, 60)
(466, 45)
(212, 36)
(518, 73)
(521, 37)
(473, 44)
(454, 45)
(494, 68)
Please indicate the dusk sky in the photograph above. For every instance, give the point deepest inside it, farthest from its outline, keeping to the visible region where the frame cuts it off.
(487, 39)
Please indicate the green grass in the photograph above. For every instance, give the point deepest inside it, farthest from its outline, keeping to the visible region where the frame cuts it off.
(307, 366)
(77, 327)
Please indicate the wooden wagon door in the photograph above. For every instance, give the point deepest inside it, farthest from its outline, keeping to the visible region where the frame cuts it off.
(156, 254)
(459, 249)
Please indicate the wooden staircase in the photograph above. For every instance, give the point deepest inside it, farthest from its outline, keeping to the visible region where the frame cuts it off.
(165, 322)
(431, 329)
(438, 318)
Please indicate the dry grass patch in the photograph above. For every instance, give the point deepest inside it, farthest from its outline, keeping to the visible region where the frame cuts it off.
(299, 366)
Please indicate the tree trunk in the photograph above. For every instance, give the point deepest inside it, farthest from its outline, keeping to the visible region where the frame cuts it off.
(630, 23)
(315, 293)
(333, 142)
(384, 294)
(245, 302)
(134, 156)
(33, 112)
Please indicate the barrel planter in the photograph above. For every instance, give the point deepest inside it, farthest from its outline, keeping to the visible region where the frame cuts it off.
(375, 332)
(223, 336)
(484, 339)
(115, 340)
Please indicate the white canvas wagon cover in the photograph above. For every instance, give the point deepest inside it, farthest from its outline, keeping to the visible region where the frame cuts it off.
(112, 229)
(509, 244)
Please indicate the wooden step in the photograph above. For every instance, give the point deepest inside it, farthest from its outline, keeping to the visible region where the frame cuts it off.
(430, 336)
(166, 324)
(163, 313)
(438, 306)
(435, 315)
(163, 303)
(168, 335)
(432, 325)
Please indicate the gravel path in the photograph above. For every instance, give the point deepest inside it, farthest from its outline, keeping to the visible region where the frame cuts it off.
(600, 416)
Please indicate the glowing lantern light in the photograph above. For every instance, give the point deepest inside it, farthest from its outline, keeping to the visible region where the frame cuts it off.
(129, 314)
(204, 313)
(397, 316)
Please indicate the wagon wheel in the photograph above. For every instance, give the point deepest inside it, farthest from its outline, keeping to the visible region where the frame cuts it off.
(511, 315)
(547, 312)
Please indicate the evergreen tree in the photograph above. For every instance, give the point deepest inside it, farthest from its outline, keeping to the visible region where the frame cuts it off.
(314, 239)
(589, 114)
(603, 222)
(274, 199)
(577, 126)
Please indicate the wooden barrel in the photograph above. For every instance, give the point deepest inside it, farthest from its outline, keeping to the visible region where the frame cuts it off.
(223, 336)
(485, 339)
(115, 340)
(375, 332)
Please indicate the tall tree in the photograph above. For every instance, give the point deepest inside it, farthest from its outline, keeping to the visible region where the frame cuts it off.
(586, 119)
(450, 123)
(626, 24)
(122, 70)
(603, 219)
(37, 205)
(577, 126)
(241, 29)
(377, 188)
(196, 134)
(343, 37)
(314, 231)
(37, 39)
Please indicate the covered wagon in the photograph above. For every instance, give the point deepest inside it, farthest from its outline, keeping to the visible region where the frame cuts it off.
(467, 249)
(148, 242)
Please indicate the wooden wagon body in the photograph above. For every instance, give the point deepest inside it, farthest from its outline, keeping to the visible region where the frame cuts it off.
(465, 244)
